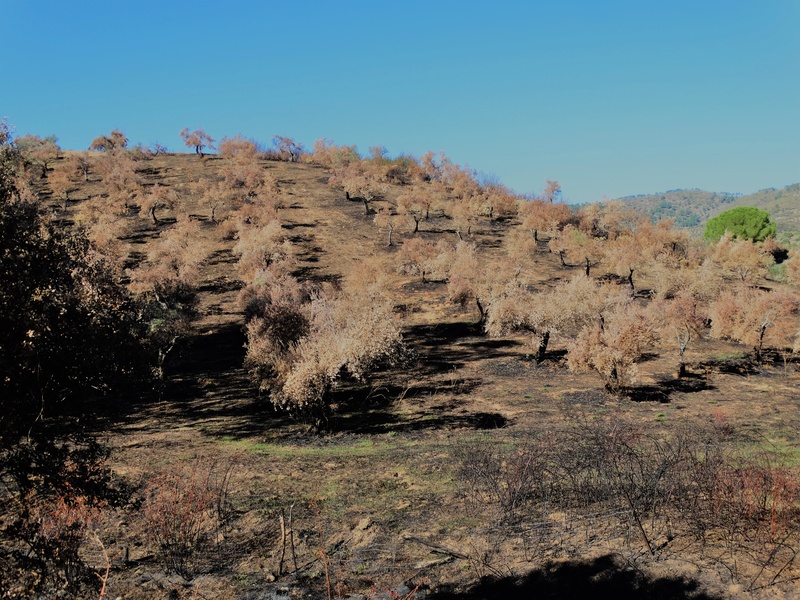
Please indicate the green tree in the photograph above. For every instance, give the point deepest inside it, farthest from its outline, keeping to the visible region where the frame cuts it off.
(68, 334)
(744, 222)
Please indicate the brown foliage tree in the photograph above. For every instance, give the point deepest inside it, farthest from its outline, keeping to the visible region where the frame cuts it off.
(741, 257)
(471, 279)
(612, 346)
(359, 184)
(642, 249)
(539, 216)
(552, 191)
(79, 163)
(259, 246)
(417, 257)
(327, 154)
(681, 320)
(116, 140)
(564, 310)
(755, 317)
(578, 245)
(38, 151)
(197, 139)
(331, 337)
(158, 197)
(793, 267)
(118, 173)
(288, 149)
(386, 220)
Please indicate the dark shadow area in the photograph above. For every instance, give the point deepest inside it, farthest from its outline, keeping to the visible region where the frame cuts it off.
(370, 411)
(291, 226)
(647, 393)
(205, 380)
(602, 577)
(447, 346)
(739, 365)
(224, 256)
(311, 274)
(663, 390)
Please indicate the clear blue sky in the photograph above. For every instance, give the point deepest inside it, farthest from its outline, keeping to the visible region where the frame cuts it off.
(610, 97)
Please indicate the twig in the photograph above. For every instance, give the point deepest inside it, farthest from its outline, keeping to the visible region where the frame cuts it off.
(436, 547)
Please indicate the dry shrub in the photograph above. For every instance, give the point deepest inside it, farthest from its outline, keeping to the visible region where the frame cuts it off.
(261, 246)
(51, 500)
(59, 528)
(181, 515)
(239, 148)
(348, 337)
(327, 154)
(793, 267)
(300, 347)
(694, 489)
(173, 263)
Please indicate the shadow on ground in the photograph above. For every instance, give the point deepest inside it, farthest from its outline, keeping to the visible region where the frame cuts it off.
(603, 577)
(447, 346)
(663, 391)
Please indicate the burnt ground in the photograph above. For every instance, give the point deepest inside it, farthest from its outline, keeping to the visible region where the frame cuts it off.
(383, 477)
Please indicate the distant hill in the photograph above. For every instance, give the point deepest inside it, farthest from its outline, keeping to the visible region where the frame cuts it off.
(689, 208)
(692, 208)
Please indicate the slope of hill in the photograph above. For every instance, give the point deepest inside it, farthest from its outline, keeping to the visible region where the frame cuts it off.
(392, 495)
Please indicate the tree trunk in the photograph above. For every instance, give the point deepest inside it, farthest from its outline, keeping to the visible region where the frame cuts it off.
(561, 256)
(416, 224)
(760, 346)
(542, 350)
(213, 214)
(535, 236)
(588, 266)
(681, 364)
(630, 280)
(390, 239)
(346, 195)
(366, 206)
(153, 216)
(482, 319)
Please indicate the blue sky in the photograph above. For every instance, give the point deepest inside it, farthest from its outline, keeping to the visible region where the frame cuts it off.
(611, 98)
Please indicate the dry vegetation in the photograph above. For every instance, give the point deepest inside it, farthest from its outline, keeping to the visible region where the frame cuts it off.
(384, 376)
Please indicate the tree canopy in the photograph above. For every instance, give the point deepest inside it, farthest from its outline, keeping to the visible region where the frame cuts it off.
(744, 222)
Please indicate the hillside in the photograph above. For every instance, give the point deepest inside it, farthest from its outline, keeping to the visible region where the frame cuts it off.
(689, 208)
(467, 462)
(692, 208)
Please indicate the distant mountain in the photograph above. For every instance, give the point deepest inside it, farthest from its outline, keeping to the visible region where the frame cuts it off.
(692, 208)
